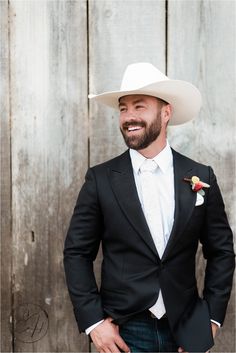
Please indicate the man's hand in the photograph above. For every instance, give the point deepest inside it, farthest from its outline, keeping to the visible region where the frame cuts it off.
(214, 328)
(107, 339)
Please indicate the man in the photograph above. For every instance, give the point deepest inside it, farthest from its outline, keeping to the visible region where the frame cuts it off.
(149, 208)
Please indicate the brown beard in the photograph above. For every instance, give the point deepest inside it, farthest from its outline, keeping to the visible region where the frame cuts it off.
(149, 135)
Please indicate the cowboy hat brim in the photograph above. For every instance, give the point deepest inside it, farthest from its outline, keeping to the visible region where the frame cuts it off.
(184, 98)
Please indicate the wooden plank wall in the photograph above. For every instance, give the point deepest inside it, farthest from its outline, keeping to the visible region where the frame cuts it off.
(210, 139)
(52, 54)
(114, 43)
(5, 184)
(49, 132)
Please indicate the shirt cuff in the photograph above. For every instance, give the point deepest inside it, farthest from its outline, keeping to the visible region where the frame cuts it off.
(216, 322)
(90, 328)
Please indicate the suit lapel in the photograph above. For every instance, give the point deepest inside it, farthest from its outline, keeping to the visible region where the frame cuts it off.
(185, 199)
(123, 185)
(124, 188)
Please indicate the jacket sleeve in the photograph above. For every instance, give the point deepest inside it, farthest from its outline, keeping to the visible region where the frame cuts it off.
(81, 248)
(217, 242)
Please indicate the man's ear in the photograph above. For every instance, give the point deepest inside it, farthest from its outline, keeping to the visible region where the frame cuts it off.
(166, 113)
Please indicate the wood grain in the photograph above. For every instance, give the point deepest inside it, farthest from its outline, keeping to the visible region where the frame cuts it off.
(49, 159)
(5, 188)
(120, 33)
(201, 49)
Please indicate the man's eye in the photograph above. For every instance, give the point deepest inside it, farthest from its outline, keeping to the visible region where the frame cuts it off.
(139, 107)
(122, 110)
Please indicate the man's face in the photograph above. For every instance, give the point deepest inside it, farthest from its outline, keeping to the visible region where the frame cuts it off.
(140, 120)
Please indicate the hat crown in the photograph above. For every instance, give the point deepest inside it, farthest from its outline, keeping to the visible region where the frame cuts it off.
(139, 75)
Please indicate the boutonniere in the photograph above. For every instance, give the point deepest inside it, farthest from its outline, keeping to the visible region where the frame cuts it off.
(197, 185)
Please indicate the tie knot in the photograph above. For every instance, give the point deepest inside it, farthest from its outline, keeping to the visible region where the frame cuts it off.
(149, 165)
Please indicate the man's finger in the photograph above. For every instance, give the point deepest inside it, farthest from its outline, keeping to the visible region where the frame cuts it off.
(121, 344)
(114, 349)
(181, 350)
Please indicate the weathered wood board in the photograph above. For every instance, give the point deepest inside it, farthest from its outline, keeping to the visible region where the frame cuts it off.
(49, 158)
(120, 33)
(201, 49)
(5, 189)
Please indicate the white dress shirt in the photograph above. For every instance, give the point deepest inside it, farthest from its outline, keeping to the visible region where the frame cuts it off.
(161, 187)
(164, 176)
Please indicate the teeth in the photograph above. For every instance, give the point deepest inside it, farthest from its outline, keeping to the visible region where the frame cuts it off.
(133, 128)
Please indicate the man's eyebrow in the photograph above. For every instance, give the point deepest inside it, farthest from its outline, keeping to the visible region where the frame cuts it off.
(139, 100)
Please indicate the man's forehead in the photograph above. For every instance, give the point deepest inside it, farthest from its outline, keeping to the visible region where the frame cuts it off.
(135, 98)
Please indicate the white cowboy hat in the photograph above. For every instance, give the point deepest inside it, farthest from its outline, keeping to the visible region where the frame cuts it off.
(144, 78)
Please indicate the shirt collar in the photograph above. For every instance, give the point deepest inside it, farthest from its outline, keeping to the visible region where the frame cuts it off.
(164, 159)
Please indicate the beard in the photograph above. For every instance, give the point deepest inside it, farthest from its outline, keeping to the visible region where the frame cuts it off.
(142, 140)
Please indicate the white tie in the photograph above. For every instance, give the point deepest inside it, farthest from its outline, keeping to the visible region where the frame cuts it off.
(152, 212)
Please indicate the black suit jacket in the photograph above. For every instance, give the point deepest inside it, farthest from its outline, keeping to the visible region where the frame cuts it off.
(108, 210)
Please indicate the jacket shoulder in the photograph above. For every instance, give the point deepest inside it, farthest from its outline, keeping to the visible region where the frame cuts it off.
(180, 158)
(115, 162)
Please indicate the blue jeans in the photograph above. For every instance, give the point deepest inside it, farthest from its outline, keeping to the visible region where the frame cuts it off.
(146, 334)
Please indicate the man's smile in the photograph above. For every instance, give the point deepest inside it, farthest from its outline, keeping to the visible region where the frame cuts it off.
(134, 128)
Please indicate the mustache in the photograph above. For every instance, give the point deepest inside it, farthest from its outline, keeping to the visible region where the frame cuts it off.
(128, 124)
